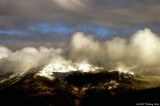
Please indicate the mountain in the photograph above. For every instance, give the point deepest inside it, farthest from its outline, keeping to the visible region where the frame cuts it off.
(109, 88)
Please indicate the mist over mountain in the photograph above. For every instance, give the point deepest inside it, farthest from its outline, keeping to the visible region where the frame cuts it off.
(79, 52)
(140, 54)
(86, 73)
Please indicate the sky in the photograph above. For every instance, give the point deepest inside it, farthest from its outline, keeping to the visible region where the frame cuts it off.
(51, 23)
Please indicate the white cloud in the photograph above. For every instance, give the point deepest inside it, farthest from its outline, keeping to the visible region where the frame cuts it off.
(141, 52)
(71, 5)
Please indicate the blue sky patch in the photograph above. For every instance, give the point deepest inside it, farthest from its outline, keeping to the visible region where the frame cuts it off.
(61, 29)
(13, 32)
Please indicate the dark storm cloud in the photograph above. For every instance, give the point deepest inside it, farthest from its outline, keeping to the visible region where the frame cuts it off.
(109, 13)
(15, 42)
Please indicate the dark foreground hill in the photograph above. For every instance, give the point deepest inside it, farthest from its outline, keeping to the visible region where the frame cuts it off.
(81, 89)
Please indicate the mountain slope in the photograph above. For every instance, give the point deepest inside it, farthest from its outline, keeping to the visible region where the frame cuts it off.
(80, 88)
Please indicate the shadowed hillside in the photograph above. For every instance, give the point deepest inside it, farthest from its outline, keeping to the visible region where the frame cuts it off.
(81, 89)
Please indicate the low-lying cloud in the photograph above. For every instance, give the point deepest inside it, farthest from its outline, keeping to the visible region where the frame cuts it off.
(22, 60)
(141, 52)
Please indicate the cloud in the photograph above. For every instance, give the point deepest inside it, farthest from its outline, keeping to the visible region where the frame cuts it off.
(145, 44)
(23, 60)
(111, 13)
(144, 50)
(15, 42)
(141, 53)
(71, 5)
(116, 48)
